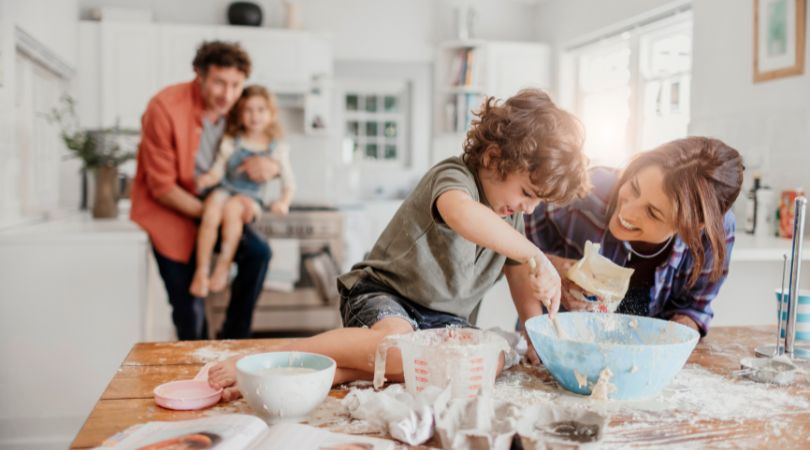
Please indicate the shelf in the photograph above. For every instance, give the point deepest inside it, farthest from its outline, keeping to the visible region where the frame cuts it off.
(462, 90)
(455, 45)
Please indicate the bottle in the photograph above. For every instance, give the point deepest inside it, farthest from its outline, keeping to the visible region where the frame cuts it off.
(765, 201)
(751, 207)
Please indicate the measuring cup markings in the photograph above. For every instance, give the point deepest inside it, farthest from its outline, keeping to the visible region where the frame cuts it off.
(464, 359)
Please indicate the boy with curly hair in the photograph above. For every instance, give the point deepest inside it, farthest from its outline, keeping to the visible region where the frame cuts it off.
(453, 237)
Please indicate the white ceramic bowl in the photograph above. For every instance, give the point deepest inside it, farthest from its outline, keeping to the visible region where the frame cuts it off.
(285, 386)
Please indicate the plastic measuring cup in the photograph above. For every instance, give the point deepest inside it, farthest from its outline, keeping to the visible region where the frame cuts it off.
(464, 358)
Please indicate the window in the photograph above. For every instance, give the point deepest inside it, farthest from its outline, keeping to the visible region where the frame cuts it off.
(375, 116)
(632, 88)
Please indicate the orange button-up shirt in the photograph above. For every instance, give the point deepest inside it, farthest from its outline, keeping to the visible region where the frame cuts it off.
(170, 136)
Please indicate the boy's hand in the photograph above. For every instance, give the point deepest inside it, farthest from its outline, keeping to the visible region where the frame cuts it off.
(282, 208)
(205, 181)
(568, 298)
(223, 375)
(545, 282)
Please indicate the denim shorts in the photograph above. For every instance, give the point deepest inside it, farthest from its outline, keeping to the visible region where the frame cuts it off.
(367, 302)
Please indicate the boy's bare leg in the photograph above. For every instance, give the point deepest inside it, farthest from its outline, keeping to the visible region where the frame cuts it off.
(353, 349)
(206, 238)
(232, 224)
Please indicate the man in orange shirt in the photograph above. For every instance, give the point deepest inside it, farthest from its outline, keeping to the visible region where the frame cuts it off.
(181, 130)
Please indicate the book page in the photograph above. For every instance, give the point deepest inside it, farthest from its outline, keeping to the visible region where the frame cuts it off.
(225, 432)
(286, 436)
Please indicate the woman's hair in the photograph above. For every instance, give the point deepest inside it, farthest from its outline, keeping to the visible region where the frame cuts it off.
(222, 54)
(531, 134)
(702, 177)
(235, 125)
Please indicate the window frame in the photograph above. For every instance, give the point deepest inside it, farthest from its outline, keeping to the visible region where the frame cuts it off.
(401, 89)
(637, 37)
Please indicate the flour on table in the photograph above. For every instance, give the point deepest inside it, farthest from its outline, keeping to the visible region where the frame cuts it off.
(212, 353)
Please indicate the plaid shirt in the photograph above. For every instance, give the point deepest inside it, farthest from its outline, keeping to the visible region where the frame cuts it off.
(563, 230)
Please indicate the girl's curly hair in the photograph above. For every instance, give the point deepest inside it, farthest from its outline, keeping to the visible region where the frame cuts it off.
(531, 134)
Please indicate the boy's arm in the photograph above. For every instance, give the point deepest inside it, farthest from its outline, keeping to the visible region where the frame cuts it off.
(518, 279)
(479, 224)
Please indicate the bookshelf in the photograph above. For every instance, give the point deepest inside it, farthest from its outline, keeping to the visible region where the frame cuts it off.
(468, 71)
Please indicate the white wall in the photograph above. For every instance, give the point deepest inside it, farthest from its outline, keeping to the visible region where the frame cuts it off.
(394, 30)
(768, 122)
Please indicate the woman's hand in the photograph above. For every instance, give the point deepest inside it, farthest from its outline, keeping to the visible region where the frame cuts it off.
(260, 168)
(683, 319)
(531, 353)
(568, 298)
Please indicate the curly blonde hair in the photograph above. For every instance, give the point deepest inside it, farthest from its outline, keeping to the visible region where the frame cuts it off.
(235, 127)
(531, 134)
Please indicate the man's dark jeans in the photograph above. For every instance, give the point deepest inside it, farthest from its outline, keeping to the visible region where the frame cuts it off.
(188, 312)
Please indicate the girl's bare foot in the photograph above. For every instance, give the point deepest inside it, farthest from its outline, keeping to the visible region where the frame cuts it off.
(199, 284)
(219, 279)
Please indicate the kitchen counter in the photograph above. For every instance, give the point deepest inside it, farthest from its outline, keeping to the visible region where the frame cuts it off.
(75, 228)
(749, 248)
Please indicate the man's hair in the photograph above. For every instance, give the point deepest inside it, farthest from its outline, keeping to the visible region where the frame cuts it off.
(530, 134)
(221, 54)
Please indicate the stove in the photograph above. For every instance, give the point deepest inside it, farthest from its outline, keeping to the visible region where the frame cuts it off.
(312, 305)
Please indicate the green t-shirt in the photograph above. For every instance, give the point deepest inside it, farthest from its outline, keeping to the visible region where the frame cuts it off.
(422, 259)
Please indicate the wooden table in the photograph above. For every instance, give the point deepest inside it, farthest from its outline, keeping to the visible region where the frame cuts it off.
(128, 398)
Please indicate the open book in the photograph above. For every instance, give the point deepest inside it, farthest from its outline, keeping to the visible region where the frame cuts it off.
(237, 432)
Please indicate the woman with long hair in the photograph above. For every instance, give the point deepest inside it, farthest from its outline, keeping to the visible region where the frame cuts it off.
(667, 215)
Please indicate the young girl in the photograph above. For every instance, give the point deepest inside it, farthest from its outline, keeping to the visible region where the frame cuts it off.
(235, 200)
(458, 231)
(667, 215)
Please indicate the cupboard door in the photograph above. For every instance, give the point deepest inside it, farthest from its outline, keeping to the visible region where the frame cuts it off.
(316, 52)
(276, 57)
(178, 45)
(129, 72)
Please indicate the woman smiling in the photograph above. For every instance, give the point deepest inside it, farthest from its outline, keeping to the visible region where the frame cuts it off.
(666, 215)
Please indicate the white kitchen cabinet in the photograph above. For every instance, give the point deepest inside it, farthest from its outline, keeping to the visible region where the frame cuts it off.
(178, 45)
(128, 73)
(122, 65)
(75, 297)
(276, 57)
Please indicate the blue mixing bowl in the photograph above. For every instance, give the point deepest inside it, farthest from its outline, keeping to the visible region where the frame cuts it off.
(643, 353)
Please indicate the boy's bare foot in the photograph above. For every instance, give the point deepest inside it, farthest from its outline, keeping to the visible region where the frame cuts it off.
(199, 284)
(230, 394)
(223, 375)
(219, 279)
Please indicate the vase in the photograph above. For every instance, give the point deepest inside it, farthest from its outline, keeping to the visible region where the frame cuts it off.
(105, 202)
(244, 13)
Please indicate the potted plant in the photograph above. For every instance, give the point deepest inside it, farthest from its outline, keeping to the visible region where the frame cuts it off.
(99, 152)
